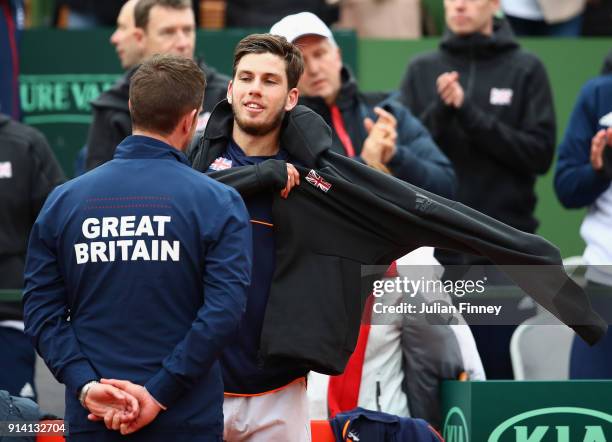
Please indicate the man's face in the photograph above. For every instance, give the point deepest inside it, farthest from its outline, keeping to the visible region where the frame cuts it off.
(170, 31)
(465, 17)
(259, 94)
(322, 66)
(127, 46)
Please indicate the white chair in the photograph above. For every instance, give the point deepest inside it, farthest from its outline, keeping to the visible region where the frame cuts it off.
(540, 349)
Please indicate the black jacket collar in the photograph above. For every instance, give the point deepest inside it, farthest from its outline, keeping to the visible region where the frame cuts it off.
(304, 134)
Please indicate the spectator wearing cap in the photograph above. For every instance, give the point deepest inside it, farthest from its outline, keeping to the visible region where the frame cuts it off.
(371, 127)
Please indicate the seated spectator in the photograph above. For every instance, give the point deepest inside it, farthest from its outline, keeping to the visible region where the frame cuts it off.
(582, 179)
(553, 18)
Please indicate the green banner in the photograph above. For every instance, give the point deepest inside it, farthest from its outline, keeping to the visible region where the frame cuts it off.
(527, 411)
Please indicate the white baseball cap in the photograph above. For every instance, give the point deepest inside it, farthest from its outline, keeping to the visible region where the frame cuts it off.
(295, 26)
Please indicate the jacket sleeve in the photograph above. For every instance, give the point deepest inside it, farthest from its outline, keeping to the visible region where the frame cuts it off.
(226, 276)
(418, 159)
(529, 147)
(248, 180)
(107, 130)
(577, 184)
(46, 311)
(46, 172)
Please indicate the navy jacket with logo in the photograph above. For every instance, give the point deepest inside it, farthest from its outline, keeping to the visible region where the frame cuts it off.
(138, 271)
(353, 215)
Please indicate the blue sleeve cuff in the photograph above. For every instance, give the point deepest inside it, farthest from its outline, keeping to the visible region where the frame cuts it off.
(77, 374)
(164, 388)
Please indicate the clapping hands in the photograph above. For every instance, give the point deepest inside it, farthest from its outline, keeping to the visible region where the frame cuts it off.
(122, 405)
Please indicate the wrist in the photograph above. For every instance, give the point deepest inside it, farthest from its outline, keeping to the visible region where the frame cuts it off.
(84, 390)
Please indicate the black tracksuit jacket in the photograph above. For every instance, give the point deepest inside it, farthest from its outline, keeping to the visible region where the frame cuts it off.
(365, 218)
(504, 134)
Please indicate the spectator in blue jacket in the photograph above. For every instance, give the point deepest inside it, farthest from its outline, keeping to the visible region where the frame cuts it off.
(136, 275)
(582, 179)
(373, 127)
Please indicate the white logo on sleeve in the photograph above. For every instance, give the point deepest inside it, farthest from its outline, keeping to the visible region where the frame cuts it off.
(6, 169)
(501, 96)
(606, 120)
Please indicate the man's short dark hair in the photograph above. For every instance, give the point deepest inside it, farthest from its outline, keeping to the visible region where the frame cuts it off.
(273, 44)
(143, 9)
(163, 90)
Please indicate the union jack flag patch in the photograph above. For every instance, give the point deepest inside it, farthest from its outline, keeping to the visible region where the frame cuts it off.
(221, 164)
(315, 179)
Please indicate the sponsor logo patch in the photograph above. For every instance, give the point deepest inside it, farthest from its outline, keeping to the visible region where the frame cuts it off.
(6, 169)
(501, 96)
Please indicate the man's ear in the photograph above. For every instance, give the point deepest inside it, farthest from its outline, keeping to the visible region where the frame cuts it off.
(130, 105)
(292, 99)
(229, 92)
(139, 36)
(190, 120)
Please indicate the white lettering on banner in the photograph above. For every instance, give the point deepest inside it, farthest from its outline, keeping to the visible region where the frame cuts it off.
(501, 97)
(126, 249)
(6, 169)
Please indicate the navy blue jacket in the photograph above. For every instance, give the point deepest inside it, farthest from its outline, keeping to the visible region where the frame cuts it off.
(159, 313)
(576, 182)
(375, 426)
(417, 160)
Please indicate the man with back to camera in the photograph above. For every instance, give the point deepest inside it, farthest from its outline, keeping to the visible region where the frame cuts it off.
(488, 105)
(151, 275)
(372, 127)
(161, 27)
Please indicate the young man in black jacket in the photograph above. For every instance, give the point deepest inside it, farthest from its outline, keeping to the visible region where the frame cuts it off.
(488, 105)
(372, 127)
(162, 27)
(261, 403)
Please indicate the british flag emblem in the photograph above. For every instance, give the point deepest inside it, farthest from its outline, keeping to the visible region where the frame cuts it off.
(221, 164)
(315, 179)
